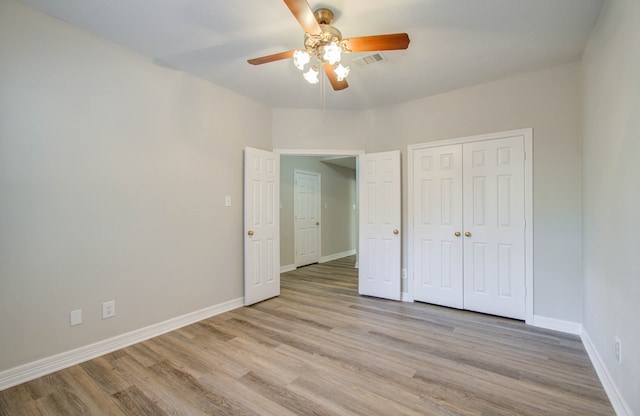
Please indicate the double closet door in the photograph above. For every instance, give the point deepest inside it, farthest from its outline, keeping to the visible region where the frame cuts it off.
(469, 226)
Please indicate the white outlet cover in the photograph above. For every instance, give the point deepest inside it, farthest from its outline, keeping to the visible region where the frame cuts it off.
(108, 309)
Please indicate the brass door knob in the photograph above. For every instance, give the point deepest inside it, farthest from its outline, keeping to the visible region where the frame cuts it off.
(457, 233)
(249, 232)
(396, 232)
(317, 223)
(468, 234)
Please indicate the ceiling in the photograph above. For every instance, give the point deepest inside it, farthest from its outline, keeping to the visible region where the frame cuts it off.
(454, 43)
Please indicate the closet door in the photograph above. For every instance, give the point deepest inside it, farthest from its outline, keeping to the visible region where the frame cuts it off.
(494, 237)
(437, 226)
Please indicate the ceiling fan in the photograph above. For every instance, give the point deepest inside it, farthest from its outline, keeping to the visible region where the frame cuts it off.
(325, 44)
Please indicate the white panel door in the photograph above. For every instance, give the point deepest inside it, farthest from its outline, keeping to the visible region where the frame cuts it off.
(379, 242)
(494, 226)
(437, 225)
(307, 217)
(261, 225)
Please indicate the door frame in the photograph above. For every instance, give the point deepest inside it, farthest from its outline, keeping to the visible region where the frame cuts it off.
(295, 213)
(527, 133)
(327, 152)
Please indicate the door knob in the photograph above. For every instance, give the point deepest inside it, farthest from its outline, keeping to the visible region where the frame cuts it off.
(468, 234)
(250, 233)
(457, 233)
(317, 223)
(396, 231)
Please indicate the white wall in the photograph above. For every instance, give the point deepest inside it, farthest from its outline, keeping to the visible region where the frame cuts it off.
(113, 173)
(338, 195)
(612, 193)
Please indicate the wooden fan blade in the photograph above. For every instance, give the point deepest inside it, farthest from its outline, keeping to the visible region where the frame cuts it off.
(304, 15)
(378, 43)
(271, 58)
(333, 78)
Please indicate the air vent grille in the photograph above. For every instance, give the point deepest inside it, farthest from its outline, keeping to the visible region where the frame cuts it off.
(369, 60)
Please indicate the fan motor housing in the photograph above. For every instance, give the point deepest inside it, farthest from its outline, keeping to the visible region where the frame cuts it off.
(323, 16)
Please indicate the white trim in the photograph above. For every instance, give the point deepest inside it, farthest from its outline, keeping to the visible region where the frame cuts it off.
(48, 365)
(528, 218)
(471, 139)
(336, 256)
(527, 133)
(287, 268)
(406, 297)
(319, 152)
(568, 327)
(617, 401)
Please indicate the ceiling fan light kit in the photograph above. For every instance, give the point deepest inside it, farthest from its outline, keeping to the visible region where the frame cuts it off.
(324, 45)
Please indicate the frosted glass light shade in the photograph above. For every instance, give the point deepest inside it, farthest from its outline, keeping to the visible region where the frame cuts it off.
(312, 75)
(332, 53)
(341, 72)
(300, 59)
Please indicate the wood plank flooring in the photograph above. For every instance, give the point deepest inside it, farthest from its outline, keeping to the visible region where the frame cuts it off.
(320, 349)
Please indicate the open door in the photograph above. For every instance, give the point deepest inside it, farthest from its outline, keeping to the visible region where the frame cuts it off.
(380, 216)
(261, 225)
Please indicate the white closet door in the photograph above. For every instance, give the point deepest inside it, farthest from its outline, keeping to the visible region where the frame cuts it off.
(437, 227)
(379, 253)
(494, 252)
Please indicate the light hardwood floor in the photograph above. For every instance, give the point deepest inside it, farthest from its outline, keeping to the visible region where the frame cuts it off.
(321, 349)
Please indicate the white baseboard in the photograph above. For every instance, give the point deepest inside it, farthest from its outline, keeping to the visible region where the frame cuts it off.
(619, 405)
(48, 365)
(287, 268)
(336, 256)
(406, 297)
(557, 325)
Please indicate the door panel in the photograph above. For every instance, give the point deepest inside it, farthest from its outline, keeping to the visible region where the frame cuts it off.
(261, 225)
(307, 217)
(494, 263)
(379, 252)
(437, 211)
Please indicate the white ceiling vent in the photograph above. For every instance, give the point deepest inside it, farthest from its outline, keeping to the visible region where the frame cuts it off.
(369, 60)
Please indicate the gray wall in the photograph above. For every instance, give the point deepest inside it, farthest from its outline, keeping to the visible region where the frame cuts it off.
(611, 200)
(338, 218)
(113, 172)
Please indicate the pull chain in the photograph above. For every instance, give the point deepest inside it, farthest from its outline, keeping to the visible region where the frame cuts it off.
(324, 93)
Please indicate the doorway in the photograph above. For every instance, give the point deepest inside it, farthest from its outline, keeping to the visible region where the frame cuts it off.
(336, 233)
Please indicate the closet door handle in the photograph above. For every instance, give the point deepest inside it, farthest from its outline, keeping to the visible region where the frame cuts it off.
(249, 233)
(396, 232)
(457, 233)
(468, 234)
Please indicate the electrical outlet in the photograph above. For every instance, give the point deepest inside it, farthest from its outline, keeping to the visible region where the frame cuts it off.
(75, 317)
(618, 349)
(108, 309)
